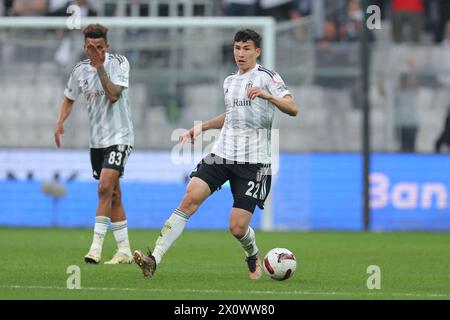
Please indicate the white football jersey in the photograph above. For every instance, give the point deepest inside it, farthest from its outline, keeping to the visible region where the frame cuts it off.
(110, 123)
(246, 132)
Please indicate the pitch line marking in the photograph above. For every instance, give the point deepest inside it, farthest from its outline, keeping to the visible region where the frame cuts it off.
(295, 292)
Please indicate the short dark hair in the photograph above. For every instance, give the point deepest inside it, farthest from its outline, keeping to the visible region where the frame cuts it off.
(248, 34)
(95, 31)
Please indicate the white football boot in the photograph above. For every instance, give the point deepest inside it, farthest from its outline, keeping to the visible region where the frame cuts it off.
(119, 258)
(93, 256)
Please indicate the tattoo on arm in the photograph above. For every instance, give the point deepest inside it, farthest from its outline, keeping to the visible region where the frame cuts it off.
(103, 76)
(110, 88)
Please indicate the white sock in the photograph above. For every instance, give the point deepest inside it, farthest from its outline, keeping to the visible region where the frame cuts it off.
(248, 242)
(100, 228)
(172, 229)
(120, 231)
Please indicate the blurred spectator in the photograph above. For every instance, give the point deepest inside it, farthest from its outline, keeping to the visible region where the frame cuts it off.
(405, 113)
(324, 10)
(2, 8)
(431, 17)
(30, 176)
(10, 176)
(444, 61)
(330, 34)
(443, 67)
(351, 27)
(446, 35)
(407, 13)
(29, 8)
(304, 7)
(7, 4)
(335, 61)
(436, 14)
(444, 18)
(136, 8)
(240, 7)
(444, 137)
(383, 5)
(86, 10)
(54, 5)
(281, 10)
(336, 9)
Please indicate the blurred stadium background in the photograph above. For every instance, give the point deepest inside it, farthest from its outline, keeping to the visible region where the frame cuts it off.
(176, 79)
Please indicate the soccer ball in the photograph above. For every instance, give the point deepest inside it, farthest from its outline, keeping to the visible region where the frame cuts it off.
(280, 264)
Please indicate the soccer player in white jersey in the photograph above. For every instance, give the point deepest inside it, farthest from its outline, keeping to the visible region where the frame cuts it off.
(102, 83)
(241, 154)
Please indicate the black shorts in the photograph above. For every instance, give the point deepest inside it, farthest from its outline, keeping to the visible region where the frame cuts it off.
(250, 182)
(113, 157)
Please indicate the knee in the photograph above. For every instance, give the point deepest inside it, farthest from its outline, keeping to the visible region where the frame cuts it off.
(190, 202)
(104, 191)
(238, 230)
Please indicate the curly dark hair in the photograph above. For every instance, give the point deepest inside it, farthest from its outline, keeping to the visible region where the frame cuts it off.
(95, 31)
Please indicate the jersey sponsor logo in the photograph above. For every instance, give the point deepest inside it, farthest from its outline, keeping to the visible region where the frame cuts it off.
(91, 95)
(242, 103)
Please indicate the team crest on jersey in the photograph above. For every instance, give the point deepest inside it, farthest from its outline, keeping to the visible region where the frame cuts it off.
(121, 148)
(84, 84)
(249, 85)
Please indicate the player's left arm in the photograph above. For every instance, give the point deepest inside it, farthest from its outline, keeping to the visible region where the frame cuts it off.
(286, 103)
(112, 90)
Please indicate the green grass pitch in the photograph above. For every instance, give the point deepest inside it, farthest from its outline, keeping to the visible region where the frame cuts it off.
(210, 265)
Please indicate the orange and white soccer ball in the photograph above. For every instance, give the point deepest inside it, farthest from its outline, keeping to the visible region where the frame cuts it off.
(280, 264)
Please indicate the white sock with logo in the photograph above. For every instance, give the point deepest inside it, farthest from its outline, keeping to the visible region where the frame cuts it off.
(120, 231)
(100, 228)
(248, 242)
(172, 229)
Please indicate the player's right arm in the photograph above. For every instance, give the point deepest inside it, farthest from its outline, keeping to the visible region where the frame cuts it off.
(71, 92)
(64, 112)
(215, 123)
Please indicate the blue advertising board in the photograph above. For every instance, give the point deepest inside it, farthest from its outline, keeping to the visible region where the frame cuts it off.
(309, 192)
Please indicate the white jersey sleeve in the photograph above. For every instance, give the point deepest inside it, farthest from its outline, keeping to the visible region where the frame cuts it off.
(276, 86)
(120, 71)
(72, 90)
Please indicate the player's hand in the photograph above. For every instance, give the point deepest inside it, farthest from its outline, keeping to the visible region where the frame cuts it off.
(188, 136)
(94, 54)
(59, 132)
(257, 92)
